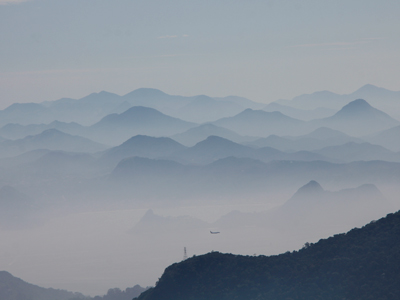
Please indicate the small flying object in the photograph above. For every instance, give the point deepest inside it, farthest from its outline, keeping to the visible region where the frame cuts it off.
(214, 232)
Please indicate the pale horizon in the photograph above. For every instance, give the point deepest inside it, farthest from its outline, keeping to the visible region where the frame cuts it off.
(263, 50)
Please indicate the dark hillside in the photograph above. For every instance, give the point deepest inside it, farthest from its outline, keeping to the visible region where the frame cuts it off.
(13, 288)
(361, 264)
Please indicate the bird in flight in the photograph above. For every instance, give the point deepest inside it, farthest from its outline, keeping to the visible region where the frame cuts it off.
(214, 232)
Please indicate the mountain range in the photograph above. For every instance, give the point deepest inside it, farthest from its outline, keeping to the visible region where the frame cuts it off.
(318, 139)
(51, 139)
(381, 98)
(358, 118)
(389, 138)
(111, 158)
(143, 146)
(12, 288)
(197, 134)
(310, 205)
(261, 123)
(90, 109)
(301, 114)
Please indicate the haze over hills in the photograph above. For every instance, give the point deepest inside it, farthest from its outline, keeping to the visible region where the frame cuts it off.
(25, 114)
(143, 146)
(214, 148)
(117, 128)
(95, 106)
(90, 109)
(358, 118)
(328, 135)
(311, 205)
(381, 98)
(51, 139)
(17, 131)
(206, 109)
(154, 224)
(197, 134)
(17, 210)
(301, 114)
(244, 102)
(15, 288)
(58, 163)
(318, 139)
(226, 174)
(231, 178)
(85, 111)
(389, 138)
(359, 151)
(247, 123)
(261, 123)
(353, 205)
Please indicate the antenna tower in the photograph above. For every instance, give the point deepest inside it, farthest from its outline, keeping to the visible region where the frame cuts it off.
(184, 253)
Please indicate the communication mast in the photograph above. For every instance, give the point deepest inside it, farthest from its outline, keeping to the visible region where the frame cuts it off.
(184, 254)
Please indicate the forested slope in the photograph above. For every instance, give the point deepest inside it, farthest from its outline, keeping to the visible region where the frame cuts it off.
(361, 264)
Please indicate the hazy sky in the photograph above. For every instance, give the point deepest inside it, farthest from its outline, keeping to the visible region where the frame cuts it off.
(259, 49)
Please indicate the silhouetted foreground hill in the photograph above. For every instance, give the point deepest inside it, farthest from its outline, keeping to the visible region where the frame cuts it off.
(13, 288)
(361, 264)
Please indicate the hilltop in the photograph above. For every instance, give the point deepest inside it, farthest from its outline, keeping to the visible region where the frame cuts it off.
(360, 264)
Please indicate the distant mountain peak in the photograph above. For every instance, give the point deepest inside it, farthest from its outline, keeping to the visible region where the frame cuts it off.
(358, 103)
(254, 113)
(105, 93)
(308, 193)
(311, 187)
(141, 109)
(208, 126)
(369, 88)
(369, 188)
(216, 140)
(326, 133)
(49, 133)
(141, 138)
(145, 140)
(325, 130)
(146, 93)
(203, 98)
(356, 107)
(149, 213)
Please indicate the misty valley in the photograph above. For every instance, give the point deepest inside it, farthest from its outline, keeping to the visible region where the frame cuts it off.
(99, 195)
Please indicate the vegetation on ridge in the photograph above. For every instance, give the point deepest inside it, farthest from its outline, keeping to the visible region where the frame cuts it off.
(361, 264)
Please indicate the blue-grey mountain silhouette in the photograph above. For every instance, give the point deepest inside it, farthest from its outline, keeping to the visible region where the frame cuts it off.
(51, 139)
(359, 151)
(389, 138)
(358, 118)
(197, 134)
(14, 288)
(117, 128)
(318, 139)
(261, 123)
(301, 114)
(206, 109)
(17, 131)
(143, 146)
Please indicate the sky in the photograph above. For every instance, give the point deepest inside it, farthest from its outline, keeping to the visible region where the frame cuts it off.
(263, 50)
